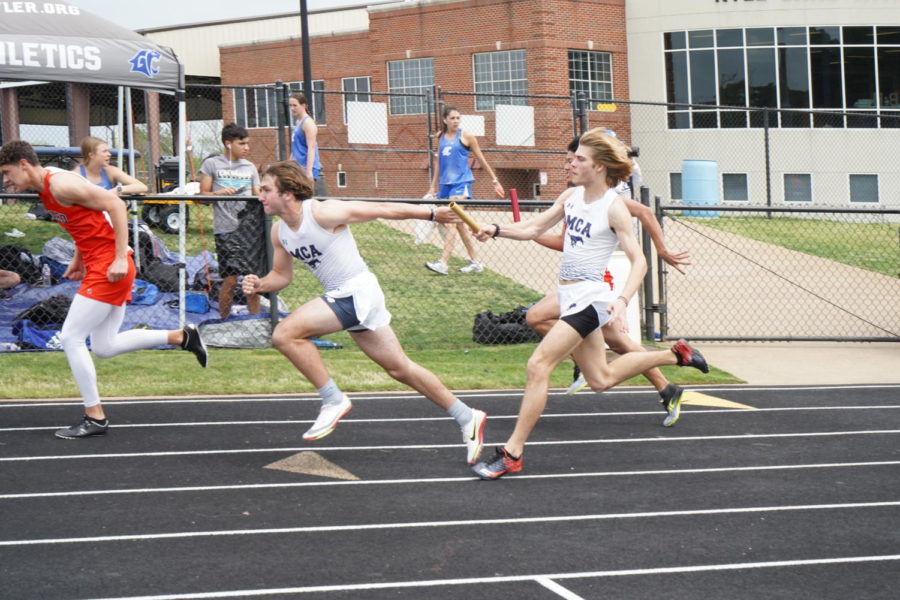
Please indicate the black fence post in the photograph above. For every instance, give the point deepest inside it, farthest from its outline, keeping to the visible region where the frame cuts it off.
(648, 277)
(766, 142)
(661, 307)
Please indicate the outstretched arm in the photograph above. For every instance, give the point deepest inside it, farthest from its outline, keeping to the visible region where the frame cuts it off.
(332, 214)
(648, 220)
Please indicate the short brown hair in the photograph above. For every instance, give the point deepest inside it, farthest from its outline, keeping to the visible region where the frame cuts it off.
(300, 97)
(290, 177)
(610, 152)
(14, 151)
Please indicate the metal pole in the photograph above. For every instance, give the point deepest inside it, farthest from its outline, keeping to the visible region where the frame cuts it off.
(662, 307)
(307, 64)
(648, 278)
(766, 114)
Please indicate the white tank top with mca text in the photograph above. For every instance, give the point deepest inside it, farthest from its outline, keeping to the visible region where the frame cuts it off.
(332, 257)
(589, 241)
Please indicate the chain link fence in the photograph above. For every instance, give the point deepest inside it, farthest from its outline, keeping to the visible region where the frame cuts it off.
(761, 206)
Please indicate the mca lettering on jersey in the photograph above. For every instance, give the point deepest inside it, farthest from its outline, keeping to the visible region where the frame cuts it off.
(50, 56)
(38, 8)
(308, 254)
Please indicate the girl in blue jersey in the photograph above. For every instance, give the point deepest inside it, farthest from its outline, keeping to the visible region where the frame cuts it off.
(95, 168)
(455, 177)
(304, 141)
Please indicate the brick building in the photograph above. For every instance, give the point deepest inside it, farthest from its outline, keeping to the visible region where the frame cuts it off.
(543, 48)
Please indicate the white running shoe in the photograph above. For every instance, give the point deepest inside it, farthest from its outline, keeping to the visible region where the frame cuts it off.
(473, 435)
(472, 267)
(437, 266)
(328, 419)
(577, 385)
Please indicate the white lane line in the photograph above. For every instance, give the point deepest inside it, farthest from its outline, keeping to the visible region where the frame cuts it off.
(558, 589)
(694, 411)
(331, 483)
(486, 394)
(455, 523)
(699, 438)
(520, 578)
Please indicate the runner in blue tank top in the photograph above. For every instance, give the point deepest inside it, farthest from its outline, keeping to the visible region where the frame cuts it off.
(305, 143)
(452, 171)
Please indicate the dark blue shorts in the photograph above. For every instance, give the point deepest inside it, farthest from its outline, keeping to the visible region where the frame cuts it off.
(345, 311)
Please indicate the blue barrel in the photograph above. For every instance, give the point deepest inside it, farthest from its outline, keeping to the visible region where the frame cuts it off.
(700, 186)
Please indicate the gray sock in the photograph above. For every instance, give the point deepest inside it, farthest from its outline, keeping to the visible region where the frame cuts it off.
(330, 393)
(460, 412)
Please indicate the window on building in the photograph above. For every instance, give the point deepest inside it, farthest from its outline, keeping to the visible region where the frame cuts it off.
(734, 187)
(499, 73)
(316, 102)
(675, 186)
(255, 107)
(342, 179)
(863, 188)
(413, 76)
(797, 187)
(356, 89)
(591, 74)
(823, 69)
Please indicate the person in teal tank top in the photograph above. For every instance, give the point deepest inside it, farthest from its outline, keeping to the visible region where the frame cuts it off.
(95, 167)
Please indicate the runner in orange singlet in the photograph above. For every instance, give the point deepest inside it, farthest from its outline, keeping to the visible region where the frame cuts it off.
(97, 221)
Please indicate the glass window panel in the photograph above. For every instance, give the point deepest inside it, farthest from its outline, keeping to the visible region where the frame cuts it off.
(733, 118)
(761, 36)
(863, 188)
(679, 120)
(240, 108)
(797, 187)
(792, 36)
(705, 119)
(819, 36)
(862, 121)
(858, 35)
(761, 77)
(591, 73)
(676, 77)
(262, 108)
(734, 187)
(700, 39)
(888, 35)
(703, 77)
(889, 76)
(859, 77)
(674, 40)
(251, 108)
(729, 37)
(794, 119)
(794, 77)
(828, 120)
(731, 78)
(414, 76)
(825, 67)
(497, 73)
(675, 186)
(890, 119)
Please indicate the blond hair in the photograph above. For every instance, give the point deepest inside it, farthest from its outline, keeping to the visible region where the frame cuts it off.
(610, 152)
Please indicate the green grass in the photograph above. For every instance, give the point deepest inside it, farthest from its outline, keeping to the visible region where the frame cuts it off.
(433, 318)
(870, 246)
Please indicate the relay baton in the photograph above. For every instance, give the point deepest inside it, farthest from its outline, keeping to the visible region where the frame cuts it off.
(460, 211)
(514, 199)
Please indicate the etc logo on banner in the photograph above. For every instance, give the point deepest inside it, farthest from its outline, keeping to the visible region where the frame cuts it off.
(145, 62)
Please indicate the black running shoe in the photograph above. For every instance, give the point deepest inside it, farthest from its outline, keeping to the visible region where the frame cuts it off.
(672, 404)
(499, 465)
(85, 428)
(689, 357)
(192, 342)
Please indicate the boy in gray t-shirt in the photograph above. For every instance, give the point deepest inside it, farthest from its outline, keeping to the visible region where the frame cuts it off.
(237, 224)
